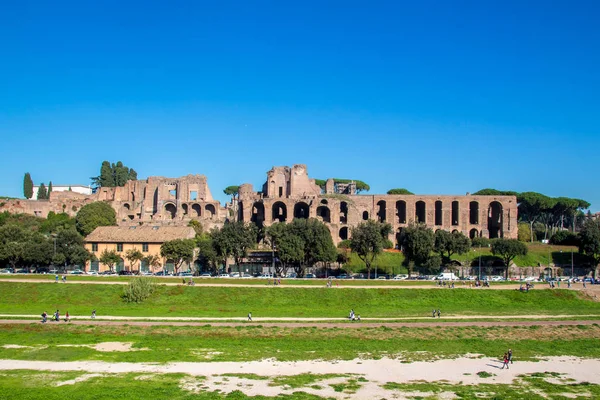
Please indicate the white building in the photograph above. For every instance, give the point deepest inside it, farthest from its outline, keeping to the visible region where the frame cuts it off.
(63, 188)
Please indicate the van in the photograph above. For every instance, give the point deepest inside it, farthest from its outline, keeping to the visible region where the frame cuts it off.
(447, 276)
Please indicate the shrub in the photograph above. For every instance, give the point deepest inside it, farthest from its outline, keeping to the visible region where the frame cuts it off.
(387, 244)
(565, 238)
(480, 242)
(138, 290)
(344, 244)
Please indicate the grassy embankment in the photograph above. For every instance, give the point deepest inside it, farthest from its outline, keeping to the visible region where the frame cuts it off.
(183, 301)
(255, 342)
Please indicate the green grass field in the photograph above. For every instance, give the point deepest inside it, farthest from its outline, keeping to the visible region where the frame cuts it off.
(182, 301)
(248, 343)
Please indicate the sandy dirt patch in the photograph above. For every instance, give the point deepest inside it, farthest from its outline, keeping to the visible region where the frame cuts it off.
(81, 378)
(107, 346)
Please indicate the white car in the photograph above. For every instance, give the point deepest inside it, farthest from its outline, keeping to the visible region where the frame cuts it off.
(92, 273)
(497, 279)
(224, 276)
(400, 277)
(235, 275)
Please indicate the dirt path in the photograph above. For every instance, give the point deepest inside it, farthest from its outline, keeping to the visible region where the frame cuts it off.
(375, 373)
(325, 324)
(202, 283)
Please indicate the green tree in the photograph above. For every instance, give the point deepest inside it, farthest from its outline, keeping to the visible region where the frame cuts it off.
(93, 215)
(49, 189)
(417, 242)
(70, 248)
(289, 247)
(57, 222)
(42, 192)
(368, 240)
(494, 192)
(178, 251)
(207, 256)
(197, 227)
(27, 186)
(532, 206)
(153, 261)
(110, 258)
(37, 251)
(112, 175)
(524, 234)
(241, 237)
(133, 256)
(317, 243)
(507, 250)
(399, 191)
(589, 242)
(447, 244)
(232, 191)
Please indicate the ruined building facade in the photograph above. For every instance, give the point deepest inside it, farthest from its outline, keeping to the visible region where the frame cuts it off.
(288, 193)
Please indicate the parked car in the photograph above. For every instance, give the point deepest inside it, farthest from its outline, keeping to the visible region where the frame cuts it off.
(5, 271)
(447, 276)
(246, 276)
(125, 273)
(400, 277)
(309, 276)
(206, 275)
(234, 275)
(224, 276)
(77, 272)
(382, 277)
(186, 273)
(95, 273)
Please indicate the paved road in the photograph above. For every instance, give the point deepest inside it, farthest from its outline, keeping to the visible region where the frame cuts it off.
(362, 324)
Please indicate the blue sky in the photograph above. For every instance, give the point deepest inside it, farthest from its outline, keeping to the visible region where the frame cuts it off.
(436, 96)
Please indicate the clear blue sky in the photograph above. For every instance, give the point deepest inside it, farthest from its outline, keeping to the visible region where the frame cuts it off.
(435, 96)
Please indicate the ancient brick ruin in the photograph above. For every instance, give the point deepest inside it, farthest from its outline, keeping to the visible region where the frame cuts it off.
(288, 193)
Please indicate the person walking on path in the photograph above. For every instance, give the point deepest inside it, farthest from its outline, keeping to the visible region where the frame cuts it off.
(584, 283)
(64, 279)
(93, 314)
(510, 355)
(439, 313)
(67, 318)
(56, 278)
(44, 317)
(433, 313)
(250, 317)
(57, 316)
(505, 361)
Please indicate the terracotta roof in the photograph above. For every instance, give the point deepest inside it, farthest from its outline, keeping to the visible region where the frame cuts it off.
(140, 234)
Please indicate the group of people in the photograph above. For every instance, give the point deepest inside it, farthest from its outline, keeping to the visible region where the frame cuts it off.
(276, 281)
(526, 287)
(507, 358)
(190, 283)
(63, 279)
(435, 312)
(444, 284)
(330, 283)
(56, 316)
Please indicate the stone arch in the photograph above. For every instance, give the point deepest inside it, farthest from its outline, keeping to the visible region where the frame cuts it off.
(324, 213)
(170, 210)
(127, 206)
(421, 212)
(381, 212)
(473, 233)
(197, 210)
(474, 213)
(258, 214)
(365, 215)
(455, 231)
(495, 220)
(455, 213)
(324, 201)
(301, 210)
(439, 218)
(401, 211)
(343, 212)
(344, 233)
(184, 207)
(279, 211)
(210, 211)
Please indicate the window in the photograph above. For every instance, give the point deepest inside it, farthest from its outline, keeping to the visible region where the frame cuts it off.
(94, 246)
(145, 247)
(119, 246)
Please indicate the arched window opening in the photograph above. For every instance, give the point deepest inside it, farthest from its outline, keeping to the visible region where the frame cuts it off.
(455, 212)
(438, 213)
(421, 212)
(401, 211)
(474, 213)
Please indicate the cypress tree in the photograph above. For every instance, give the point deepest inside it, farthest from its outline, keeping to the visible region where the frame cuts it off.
(27, 186)
(49, 188)
(42, 193)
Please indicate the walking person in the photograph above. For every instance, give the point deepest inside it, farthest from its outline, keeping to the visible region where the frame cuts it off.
(67, 318)
(56, 278)
(250, 317)
(57, 316)
(93, 314)
(44, 317)
(505, 361)
(439, 313)
(64, 279)
(433, 313)
(510, 355)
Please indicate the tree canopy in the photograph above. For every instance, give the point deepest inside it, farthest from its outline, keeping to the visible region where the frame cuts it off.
(93, 215)
(507, 250)
(589, 242)
(417, 244)
(447, 244)
(110, 258)
(399, 191)
(178, 251)
(235, 239)
(42, 192)
(494, 192)
(27, 186)
(112, 175)
(368, 240)
(232, 190)
(360, 185)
